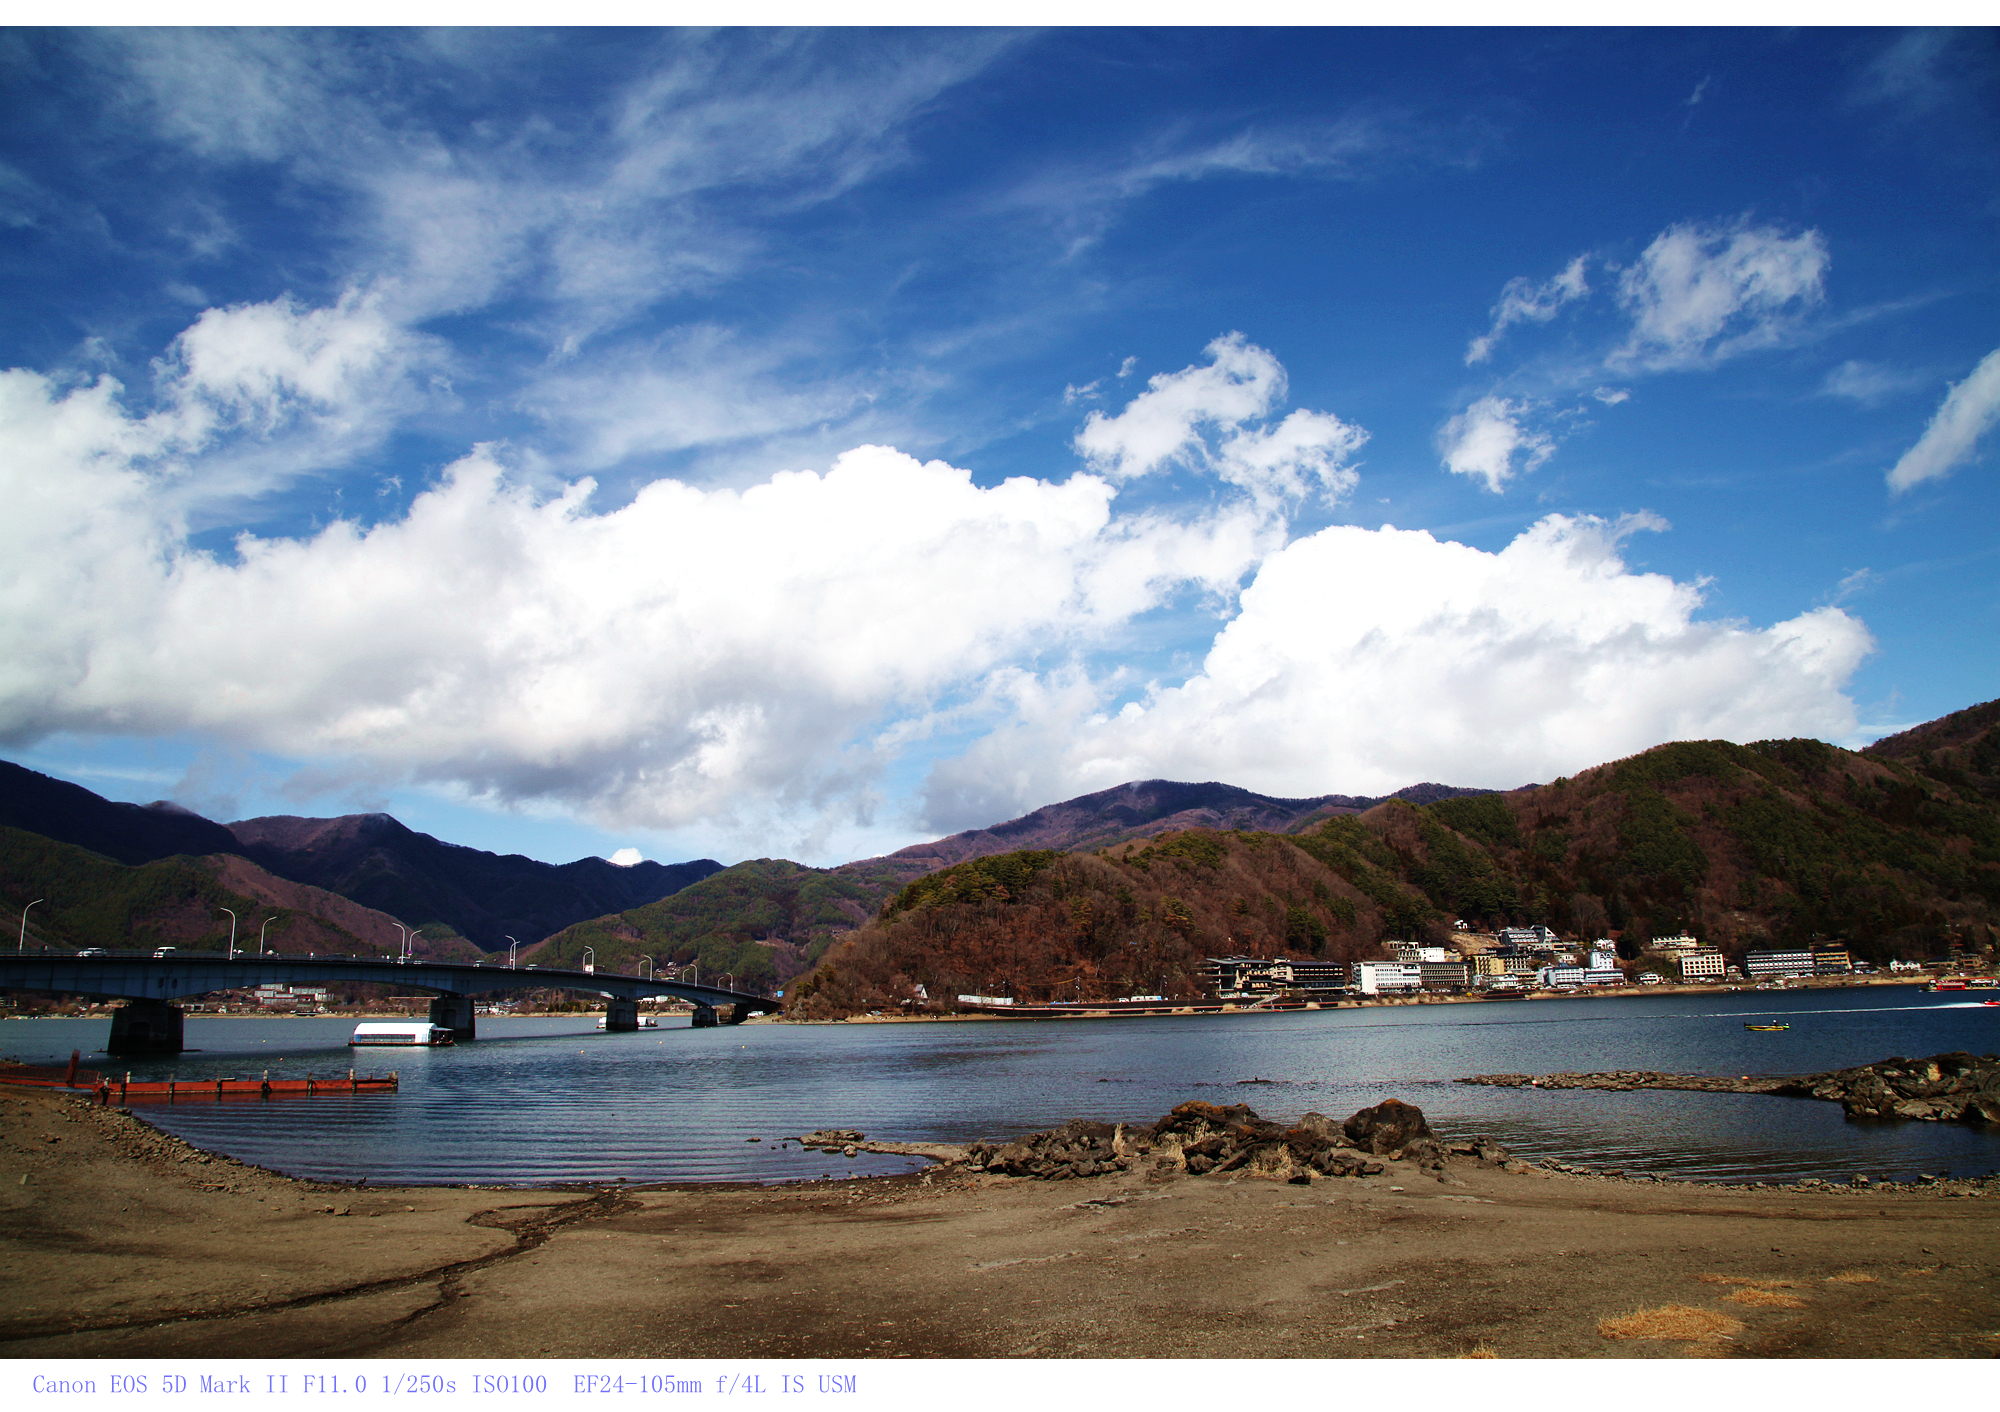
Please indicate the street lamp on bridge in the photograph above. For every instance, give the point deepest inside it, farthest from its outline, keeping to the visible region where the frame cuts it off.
(511, 950)
(260, 935)
(649, 966)
(232, 931)
(24, 922)
(590, 960)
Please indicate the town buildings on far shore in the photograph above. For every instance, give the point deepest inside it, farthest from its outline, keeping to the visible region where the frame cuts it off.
(1513, 960)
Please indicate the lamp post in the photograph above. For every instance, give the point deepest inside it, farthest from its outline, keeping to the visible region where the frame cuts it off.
(649, 966)
(232, 931)
(260, 935)
(24, 922)
(511, 950)
(590, 959)
(411, 943)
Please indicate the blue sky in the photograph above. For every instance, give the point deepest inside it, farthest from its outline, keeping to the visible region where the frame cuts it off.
(793, 443)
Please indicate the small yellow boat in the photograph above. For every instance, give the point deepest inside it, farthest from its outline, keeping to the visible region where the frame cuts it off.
(1766, 1029)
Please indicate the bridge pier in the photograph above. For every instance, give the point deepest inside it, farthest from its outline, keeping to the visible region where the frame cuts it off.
(704, 1016)
(454, 1013)
(620, 1016)
(146, 1027)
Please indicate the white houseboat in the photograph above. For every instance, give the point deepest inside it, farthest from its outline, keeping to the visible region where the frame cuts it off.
(418, 1034)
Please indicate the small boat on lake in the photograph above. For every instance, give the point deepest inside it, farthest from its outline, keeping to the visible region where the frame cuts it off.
(1766, 1029)
(419, 1034)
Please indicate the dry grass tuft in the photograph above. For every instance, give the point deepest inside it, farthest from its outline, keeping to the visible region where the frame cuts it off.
(1747, 1280)
(1851, 1277)
(1758, 1297)
(1481, 1350)
(1677, 1321)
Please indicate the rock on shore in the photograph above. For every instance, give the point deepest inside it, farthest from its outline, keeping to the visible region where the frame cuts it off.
(1198, 1138)
(1945, 1088)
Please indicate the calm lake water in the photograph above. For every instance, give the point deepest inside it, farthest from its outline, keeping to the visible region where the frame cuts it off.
(556, 1100)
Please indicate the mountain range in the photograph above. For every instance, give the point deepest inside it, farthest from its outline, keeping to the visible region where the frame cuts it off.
(1894, 848)
(442, 889)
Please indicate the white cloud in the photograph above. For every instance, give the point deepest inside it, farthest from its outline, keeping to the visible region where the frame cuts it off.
(1523, 301)
(1869, 383)
(1968, 413)
(1700, 294)
(754, 660)
(263, 364)
(1862, 580)
(1611, 396)
(716, 654)
(627, 858)
(1485, 439)
(1362, 661)
(1169, 423)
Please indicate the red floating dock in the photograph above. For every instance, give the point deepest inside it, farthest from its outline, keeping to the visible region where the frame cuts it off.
(176, 1090)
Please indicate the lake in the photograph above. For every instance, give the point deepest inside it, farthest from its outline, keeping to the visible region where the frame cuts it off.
(556, 1100)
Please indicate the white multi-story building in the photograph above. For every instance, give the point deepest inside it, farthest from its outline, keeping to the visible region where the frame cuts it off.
(1527, 938)
(1701, 965)
(1778, 963)
(1388, 977)
(1671, 944)
(1560, 975)
(1604, 959)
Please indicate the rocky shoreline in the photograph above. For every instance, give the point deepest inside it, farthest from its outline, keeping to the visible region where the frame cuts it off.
(1945, 1088)
(1201, 1139)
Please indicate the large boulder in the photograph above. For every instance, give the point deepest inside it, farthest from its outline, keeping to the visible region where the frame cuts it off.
(1388, 1128)
(1944, 1088)
(1199, 1138)
(1079, 1148)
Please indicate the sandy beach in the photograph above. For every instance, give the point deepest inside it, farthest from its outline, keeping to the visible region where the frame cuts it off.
(122, 1241)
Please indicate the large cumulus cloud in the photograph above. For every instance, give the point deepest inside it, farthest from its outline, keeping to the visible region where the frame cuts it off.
(763, 660)
(1366, 660)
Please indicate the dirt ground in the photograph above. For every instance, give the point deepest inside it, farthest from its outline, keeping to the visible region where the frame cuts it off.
(119, 1241)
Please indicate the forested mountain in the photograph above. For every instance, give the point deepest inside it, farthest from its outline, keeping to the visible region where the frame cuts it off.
(767, 921)
(128, 833)
(760, 922)
(423, 881)
(371, 859)
(1141, 809)
(1895, 851)
(88, 899)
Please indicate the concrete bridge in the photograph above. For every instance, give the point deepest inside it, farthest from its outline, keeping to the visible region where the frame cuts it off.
(149, 1023)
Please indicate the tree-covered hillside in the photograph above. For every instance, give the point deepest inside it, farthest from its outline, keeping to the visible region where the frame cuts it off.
(90, 900)
(760, 922)
(1896, 852)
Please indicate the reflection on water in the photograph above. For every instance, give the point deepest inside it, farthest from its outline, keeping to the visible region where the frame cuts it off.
(541, 1100)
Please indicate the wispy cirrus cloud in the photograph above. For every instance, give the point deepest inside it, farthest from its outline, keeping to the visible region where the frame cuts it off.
(1524, 301)
(1870, 383)
(1968, 412)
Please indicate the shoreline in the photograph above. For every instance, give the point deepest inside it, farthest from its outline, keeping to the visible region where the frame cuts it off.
(1087, 1011)
(1104, 1011)
(124, 1241)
